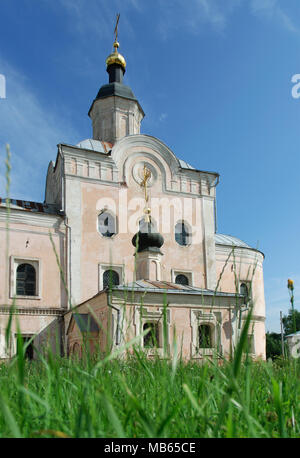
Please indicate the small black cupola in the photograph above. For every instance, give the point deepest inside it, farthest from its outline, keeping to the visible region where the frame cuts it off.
(148, 238)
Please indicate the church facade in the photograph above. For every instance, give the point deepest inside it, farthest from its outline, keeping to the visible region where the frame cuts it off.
(125, 241)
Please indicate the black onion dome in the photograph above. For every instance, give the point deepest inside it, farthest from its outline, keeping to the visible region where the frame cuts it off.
(147, 238)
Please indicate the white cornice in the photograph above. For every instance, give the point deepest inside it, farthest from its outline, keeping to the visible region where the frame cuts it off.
(70, 151)
(93, 180)
(242, 252)
(30, 218)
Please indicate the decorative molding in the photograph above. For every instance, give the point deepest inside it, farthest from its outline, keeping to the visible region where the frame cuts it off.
(144, 315)
(7, 310)
(214, 320)
(80, 153)
(53, 234)
(242, 252)
(31, 218)
(93, 180)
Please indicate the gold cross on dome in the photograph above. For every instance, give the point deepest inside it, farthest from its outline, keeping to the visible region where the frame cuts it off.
(146, 178)
(116, 28)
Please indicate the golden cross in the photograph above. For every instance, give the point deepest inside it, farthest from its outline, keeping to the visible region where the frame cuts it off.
(147, 175)
(116, 28)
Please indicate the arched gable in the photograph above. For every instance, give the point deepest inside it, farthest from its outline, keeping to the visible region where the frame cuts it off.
(127, 150)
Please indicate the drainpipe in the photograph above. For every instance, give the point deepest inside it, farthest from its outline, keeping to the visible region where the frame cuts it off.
(214, 185)
(68, 232)
(68, 256)
(118, 319)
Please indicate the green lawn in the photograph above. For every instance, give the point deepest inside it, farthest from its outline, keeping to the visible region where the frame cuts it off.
(138, 397)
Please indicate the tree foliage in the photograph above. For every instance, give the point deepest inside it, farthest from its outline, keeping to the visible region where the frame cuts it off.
(289, 324)
(273, 345)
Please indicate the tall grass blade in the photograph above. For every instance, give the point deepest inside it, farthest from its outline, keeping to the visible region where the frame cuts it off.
(113, 418)
(9, 419)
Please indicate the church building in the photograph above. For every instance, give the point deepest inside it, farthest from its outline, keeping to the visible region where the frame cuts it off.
(124, 247)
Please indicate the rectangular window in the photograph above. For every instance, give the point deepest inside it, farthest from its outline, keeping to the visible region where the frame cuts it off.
(152, 338)
(205, 338)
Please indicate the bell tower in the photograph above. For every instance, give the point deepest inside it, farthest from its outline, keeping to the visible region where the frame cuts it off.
(115, 112)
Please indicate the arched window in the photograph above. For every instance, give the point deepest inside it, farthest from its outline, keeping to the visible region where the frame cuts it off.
(110, 278)
(244, 289)
(26, 280)
(181, 279)
(151, 339)
(107, 224)
(182, 234)
(204, 336)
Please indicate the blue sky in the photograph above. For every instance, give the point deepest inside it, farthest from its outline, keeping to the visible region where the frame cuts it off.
(214, 79)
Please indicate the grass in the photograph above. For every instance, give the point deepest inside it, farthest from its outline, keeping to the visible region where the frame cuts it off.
(138, 397)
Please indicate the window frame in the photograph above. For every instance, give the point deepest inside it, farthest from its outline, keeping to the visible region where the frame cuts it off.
(102, 267)
(187, 273)
(152, 314)
(214, 320)
(16, 261)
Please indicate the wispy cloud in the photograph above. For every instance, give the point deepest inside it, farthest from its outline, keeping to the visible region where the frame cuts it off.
(217, 14)
(194, 14)
(32, 131)
(98, 17)
(172, 15)
(162, 117)
(272, 10)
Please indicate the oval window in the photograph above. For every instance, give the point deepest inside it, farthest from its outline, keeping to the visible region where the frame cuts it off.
(182, 234)
(107, 224)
